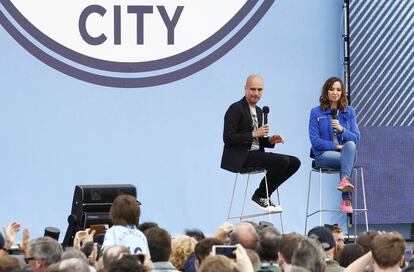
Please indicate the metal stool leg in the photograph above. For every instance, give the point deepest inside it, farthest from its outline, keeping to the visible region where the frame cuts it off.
(363, 197)
(244, 198)
(307, 203)
(355, 214)
(320, 197)
(232, 197)
(267, 195)
(280, 214)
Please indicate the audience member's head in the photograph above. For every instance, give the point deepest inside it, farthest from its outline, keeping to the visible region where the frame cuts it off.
(8, 263)
(269, 240)
(365, 238)
(339, 238)
(218, 263)
(287, 246)
(264, 224)
(143, 227)
(112, 254)
(43, 252)
(159, 244)
(72, 252)
(125, 210)
(350, 253)
(246, 235)
(203, 249)
(73, 264)
(127, 263)
(310, 255)
(182, 247)
(196, 234)
(325, 237)
(388, 250)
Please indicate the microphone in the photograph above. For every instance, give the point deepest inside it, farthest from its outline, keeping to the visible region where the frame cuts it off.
(334, 113)
(265, 113)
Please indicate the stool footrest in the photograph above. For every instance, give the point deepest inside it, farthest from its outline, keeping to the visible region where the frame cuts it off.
(359, 211)
(252, 215)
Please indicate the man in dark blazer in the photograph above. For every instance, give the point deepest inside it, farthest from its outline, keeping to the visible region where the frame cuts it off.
(245, 139)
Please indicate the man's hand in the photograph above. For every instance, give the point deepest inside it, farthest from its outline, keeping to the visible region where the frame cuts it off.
(338, 147)
(336, 125)
(261, 131)
(276, 139)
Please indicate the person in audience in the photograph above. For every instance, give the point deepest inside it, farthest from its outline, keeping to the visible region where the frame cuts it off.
(326, 239)
(245, 234)
(269, 240)
(196, 234)
(218, 263)
(254, 259)
(112, 254)
(159, 243)
(9, 238)
(143, 227)
(71, 264)
(221, 263)
(338, 235)
(349, 254)
(43, 252)
(288, 244)
(73, 252)
(365, 239)
(386, 255)
(127, 263)
(182, 247)
(223, 232)
(310, 255)
(334, 133)
(125, 213)
(8, 263)
(203, 250)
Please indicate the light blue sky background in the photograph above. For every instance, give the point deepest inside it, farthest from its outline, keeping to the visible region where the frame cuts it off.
(57, 132)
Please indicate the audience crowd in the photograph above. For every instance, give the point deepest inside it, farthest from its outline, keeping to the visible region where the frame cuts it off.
(130, 246)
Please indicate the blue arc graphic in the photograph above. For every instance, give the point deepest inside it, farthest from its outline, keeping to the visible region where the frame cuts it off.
(137, 82)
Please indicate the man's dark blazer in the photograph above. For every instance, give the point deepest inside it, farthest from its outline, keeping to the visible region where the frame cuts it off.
(237, 135)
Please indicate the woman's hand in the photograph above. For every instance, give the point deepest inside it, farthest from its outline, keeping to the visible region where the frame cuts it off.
(336, 125)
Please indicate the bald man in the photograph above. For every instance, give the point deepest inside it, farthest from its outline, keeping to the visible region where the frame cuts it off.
(245, 138)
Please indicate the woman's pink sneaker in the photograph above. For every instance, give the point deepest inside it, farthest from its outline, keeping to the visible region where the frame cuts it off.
(345, 185)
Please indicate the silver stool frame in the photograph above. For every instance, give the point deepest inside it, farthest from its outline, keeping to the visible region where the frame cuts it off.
(248, 172)
(356, 211)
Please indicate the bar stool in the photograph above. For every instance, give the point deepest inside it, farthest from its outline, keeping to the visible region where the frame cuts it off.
(252, 171)
(357, 171)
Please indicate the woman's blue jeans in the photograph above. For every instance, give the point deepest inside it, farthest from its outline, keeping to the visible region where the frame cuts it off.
(343, 160)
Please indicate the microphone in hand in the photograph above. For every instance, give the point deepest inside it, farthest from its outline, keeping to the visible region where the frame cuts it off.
(265, 113)
(334, 113)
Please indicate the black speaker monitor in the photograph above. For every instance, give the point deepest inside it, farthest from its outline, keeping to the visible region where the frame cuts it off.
(91, 205)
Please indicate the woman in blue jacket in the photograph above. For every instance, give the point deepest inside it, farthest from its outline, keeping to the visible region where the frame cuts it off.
(334, 133)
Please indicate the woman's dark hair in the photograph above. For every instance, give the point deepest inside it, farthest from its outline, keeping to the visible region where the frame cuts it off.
(324, 100)
(125, 210)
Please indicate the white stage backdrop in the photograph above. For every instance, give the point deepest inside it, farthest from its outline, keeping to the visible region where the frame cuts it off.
(119, 93)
